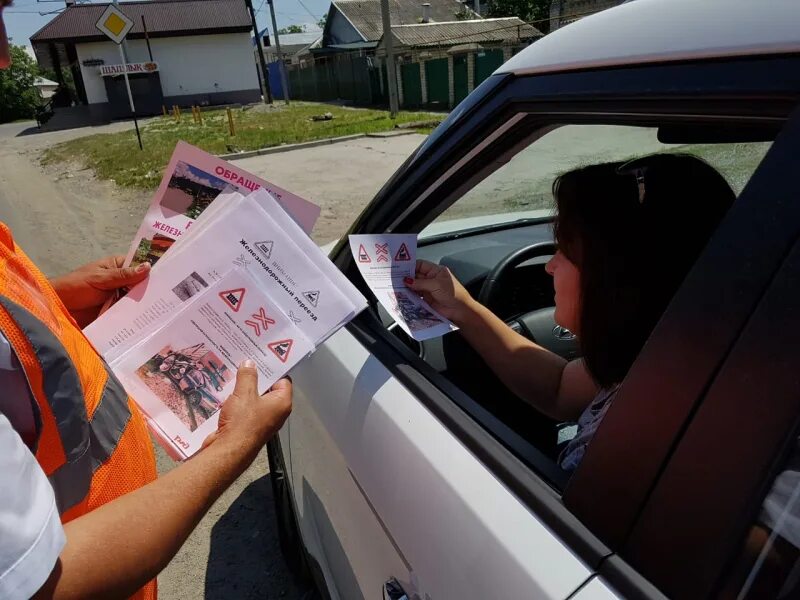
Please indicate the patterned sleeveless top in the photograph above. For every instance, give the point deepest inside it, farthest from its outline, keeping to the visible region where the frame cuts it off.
(588, 423)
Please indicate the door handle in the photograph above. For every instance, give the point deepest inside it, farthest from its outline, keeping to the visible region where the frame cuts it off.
(392, 590)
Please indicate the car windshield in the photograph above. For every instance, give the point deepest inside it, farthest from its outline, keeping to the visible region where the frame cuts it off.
(522, 188)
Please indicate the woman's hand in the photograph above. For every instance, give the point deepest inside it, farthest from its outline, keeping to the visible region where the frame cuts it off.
(87, 289)
(439, 288)
(247, 419)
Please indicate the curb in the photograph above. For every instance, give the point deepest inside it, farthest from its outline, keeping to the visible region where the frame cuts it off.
(290, 147)
(311, 144)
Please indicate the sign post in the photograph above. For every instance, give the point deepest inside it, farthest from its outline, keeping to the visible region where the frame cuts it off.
(116, 25)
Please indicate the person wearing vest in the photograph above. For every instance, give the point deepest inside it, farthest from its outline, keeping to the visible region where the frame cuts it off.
(82, 512)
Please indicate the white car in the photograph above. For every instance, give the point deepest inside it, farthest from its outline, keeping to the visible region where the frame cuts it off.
(406, 470)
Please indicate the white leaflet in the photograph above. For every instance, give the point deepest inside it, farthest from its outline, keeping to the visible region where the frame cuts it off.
(384, 261)
(249, 238)
(185, 370)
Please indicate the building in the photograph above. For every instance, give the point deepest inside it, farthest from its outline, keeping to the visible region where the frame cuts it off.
(357, 25)
(438, 64)
(194, 52)
(45, 87)
(564, 12)
(293, 46)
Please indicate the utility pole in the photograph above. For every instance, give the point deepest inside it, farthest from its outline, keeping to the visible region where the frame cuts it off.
(261, 61)
(281, 64)
(391, 74)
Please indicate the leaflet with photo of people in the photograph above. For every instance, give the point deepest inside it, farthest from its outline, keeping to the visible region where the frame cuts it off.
(181, 374)
(384, 261)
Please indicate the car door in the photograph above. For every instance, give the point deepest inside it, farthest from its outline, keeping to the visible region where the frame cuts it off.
(394, 472)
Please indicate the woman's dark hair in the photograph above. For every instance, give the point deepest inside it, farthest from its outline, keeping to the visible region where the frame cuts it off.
(633, 230)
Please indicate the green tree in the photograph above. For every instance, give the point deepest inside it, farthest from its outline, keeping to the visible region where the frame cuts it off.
(292, 29)
(536, 11)
(18, 97)
(322, 21)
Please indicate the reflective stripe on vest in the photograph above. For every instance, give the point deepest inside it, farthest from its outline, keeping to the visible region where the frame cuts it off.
(87, 445)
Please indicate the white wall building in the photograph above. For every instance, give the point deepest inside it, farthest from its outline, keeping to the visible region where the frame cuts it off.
(199, 53)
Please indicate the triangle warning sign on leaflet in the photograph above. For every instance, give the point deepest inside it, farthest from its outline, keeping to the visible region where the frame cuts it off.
(402, 253)
(312, 297)
(362, 254)
(265, 247)
(281, 349)
(233, 298)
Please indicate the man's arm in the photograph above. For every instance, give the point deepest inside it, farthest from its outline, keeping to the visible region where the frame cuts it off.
(114, 550)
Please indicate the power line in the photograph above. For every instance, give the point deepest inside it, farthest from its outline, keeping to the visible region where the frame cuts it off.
(313, 16)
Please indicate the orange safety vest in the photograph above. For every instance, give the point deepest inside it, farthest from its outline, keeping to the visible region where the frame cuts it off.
(91, 442)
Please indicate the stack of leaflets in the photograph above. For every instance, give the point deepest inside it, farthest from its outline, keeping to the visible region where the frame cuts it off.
(242, 281)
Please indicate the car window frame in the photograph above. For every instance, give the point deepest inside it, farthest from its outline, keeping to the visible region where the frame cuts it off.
(701, 526)
(449, 404)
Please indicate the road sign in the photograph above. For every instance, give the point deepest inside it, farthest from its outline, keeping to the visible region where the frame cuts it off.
(114, 23)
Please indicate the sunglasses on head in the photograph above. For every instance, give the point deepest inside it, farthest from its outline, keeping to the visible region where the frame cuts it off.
(638, 169)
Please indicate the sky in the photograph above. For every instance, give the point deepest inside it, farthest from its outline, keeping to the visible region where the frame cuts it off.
(23, 20)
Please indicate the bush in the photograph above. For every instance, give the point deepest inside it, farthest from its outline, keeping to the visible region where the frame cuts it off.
(18, 97)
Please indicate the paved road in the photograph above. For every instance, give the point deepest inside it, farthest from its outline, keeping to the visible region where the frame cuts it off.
(64, 218)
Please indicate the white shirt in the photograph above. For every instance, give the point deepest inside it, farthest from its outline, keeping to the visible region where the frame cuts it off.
(31, 535)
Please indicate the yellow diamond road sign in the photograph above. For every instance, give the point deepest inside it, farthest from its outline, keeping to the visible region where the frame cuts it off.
(114, 23)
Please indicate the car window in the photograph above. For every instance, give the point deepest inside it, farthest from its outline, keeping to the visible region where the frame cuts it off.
(768, 563)
(510, 209)
(525, 182)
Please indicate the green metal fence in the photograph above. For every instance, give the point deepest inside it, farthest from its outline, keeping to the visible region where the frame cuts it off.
(436, 76)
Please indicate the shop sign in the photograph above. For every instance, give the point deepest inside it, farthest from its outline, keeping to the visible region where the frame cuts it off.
(133, 68)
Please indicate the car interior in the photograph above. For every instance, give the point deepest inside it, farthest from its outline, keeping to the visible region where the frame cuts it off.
(501, 263)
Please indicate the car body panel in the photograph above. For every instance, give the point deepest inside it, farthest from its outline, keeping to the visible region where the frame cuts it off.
(650, 31)
(370, 448)
(386, 482)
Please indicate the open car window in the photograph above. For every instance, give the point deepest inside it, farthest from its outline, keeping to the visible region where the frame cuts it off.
(525, 182)
(512, 207)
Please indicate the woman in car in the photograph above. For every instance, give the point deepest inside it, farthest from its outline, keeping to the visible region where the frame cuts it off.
(627, 234)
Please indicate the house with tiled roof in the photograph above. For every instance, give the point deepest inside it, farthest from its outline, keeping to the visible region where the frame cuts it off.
(356, 24)
(179, 52)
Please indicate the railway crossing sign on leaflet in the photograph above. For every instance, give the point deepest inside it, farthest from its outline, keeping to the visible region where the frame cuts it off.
(233, 298)
(362, 255)
(403, 253)
(281, 349)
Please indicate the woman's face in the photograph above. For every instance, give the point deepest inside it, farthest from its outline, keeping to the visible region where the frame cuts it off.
(567, 283)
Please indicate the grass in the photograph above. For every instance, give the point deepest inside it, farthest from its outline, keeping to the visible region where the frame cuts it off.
(116, 156)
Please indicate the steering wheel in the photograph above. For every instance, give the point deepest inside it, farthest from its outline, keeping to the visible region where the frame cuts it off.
(537, 325)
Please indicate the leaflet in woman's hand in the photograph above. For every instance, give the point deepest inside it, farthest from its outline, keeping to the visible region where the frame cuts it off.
(385, 260)
(318, 302)
(185, 370)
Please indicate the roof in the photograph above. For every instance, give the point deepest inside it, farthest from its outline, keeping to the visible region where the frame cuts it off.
(76, 23)
(292, 39)
(365, 15)
(43, 81)
(664, 30)
(464, 32)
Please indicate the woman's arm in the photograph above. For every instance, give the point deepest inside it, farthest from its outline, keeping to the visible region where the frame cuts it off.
(553, 385)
